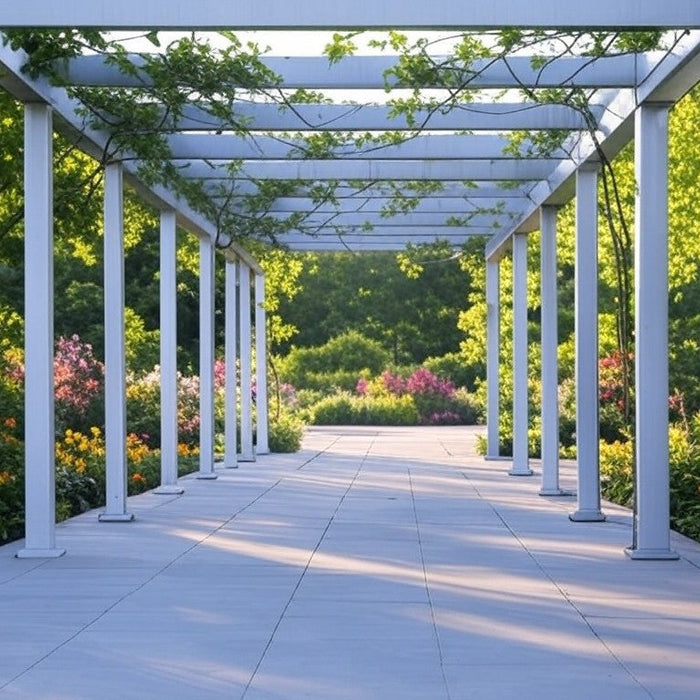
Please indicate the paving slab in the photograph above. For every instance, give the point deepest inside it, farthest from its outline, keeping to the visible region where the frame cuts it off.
(376, 563)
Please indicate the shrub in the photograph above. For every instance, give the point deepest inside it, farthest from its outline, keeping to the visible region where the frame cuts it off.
(616, 471)
(79, 385)
(76, 492)
(285, 434)
(11, 481)
(435, 400)
(390, 410)
(342, 358)
(453, 366)
(684, 458)
(345, 409)
(143, 407)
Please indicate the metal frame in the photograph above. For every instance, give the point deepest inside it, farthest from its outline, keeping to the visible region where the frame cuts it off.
(443, 148)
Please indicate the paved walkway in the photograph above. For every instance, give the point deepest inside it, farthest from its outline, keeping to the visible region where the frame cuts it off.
(382, 564)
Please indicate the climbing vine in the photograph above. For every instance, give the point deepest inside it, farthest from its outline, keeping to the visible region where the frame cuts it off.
(430, 75)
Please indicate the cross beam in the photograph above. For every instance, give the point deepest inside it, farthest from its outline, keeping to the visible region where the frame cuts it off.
(259, 147)
(436, 203)
(360, 14)
(497, 116)
(405, 221)
(497, 170)
(370, 72)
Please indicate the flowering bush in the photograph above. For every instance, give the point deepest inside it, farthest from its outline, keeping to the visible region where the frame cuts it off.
(611, 395)
(11, 481)
(435, 400)
(79, 385)
(143, 407)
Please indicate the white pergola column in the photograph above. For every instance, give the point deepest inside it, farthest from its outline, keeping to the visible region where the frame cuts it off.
(39, 431)
(206, 359)
(115, 348)
(261, 403)
(493, 361)
(168, 355)
(652, 526)
(231, 386)
(520, 466)
(549, 341)
(586, 341)
(247, 453)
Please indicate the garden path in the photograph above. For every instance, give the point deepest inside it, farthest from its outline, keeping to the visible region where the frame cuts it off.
(376, 563)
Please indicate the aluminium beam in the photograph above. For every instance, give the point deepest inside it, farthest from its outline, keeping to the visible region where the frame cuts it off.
(40, 425)
(116, 472)
(262, 147)
(473, 220)
(424, 170)
(370, 72)
(352, 247)
(415, 235)
(207, 312)
(342, 191)
(673, 77)
(350, 243)
(652, 532)
(67, 122)
(474, 116)
(435, 204)
(361, 14)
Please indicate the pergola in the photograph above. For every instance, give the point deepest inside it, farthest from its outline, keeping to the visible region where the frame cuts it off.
(486, 187)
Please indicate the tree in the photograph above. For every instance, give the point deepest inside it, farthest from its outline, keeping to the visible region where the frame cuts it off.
(413, 316)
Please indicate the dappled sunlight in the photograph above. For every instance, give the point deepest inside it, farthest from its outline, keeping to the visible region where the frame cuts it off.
(202, 616)
(471, 581)
(542, 631)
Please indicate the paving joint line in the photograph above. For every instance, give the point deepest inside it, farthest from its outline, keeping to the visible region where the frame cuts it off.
(140, 587)
(308, 563)
(561, 591)
(427, 587)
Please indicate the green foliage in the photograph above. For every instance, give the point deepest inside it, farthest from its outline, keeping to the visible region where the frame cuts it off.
(11, 478)
(453, 366)
(346, 409)
(411, 317)
(76, 492)
(142, 346)
(684, 462)
(617, 472)
(334, 364)
(285, 434)
(341, 46)
(143, 407)
(282, 272)
(12, 325)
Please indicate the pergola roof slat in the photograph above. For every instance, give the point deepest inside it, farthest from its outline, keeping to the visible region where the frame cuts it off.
(434, 146)
(361, 14)
(370, 72)
(438, 203)
(482, 169)
(475, 116)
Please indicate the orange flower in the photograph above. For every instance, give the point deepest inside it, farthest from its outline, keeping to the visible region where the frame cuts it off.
(138, 478)
(10, 422)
